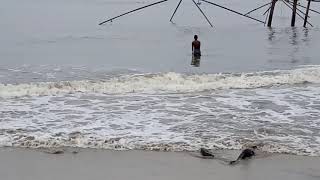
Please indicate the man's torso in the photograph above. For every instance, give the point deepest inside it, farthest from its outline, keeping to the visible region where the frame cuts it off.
(196, 44)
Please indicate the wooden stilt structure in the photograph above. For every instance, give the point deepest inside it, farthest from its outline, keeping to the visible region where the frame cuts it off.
(292, 4)
(273, 4)
(307, 14)
(287, 4)
(294, 13)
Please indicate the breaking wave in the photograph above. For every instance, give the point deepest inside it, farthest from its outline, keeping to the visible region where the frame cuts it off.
(78, 140)
(167, 83)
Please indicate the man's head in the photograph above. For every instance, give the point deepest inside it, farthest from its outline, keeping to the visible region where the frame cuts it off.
(195, 37)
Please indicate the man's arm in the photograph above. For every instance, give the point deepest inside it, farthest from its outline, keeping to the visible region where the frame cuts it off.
(192, 46)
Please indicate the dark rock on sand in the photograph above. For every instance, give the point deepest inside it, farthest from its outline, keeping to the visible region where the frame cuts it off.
(206, 153)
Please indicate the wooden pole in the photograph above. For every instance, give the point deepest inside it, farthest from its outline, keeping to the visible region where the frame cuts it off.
(301, 11)
(273, 4)
(175, 10)
(288, 4)
(257, 8)
(132, 11)
(232, 11)
(306, 8)
(267, 11)
(294, 13)
(265, 21)
(307, 14)
(202, 13)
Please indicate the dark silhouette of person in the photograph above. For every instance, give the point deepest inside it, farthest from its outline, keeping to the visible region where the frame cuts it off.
(196, 44)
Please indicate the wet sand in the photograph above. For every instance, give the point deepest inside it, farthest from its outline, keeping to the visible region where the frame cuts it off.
(27, 164)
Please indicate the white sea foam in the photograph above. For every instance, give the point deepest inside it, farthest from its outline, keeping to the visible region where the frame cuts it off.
(281, 119)
(151, 143)
(166, 83)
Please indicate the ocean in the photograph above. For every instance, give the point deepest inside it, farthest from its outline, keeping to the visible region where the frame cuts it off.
(65, 81)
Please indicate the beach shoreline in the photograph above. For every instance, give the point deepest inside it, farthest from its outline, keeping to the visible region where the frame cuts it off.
(131, 84)
(19, 163)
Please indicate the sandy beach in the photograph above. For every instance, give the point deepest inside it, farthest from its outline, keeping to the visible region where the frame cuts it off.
(131, 84)
(29, 164)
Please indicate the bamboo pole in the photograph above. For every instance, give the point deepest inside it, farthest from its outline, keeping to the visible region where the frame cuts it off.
(307, 13)
(297, 13)
(232, 11)
(267, 11)
(294, 13)
(202, 13)
(257, 8)
(301, 11)
(288, 4)
(111, 19)
(306, 8)
(273, 4)
(175, 10)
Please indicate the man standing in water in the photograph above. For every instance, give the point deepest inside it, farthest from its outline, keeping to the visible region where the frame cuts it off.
(196, 47)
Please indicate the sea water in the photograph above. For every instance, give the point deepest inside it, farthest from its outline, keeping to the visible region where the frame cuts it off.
(129, 84)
